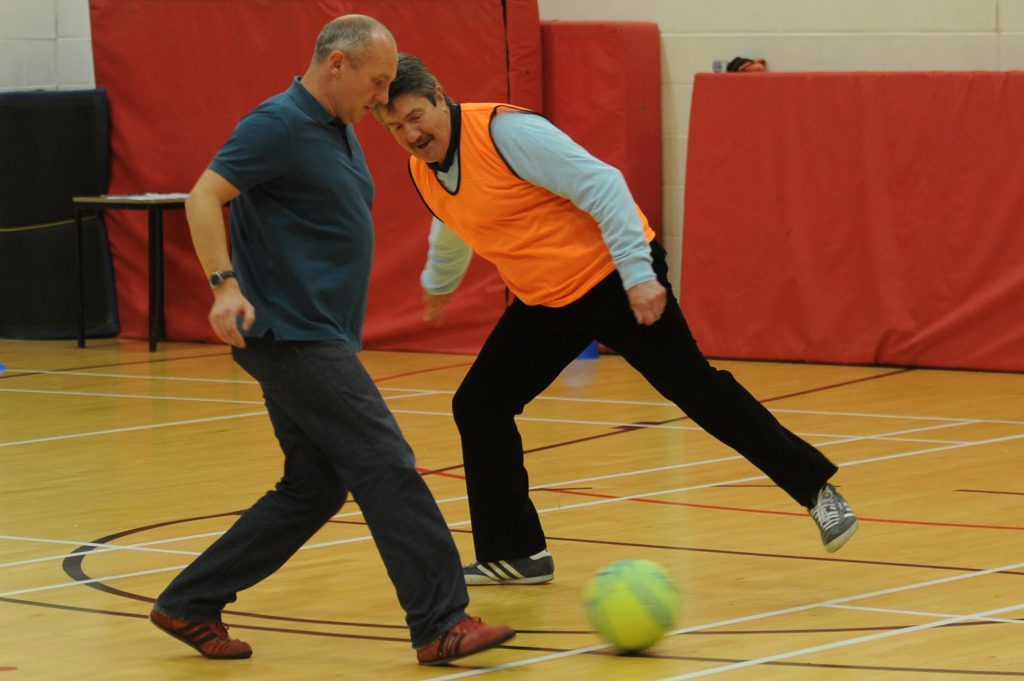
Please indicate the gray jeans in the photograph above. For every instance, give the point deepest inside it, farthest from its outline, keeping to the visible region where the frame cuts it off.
(338, 436)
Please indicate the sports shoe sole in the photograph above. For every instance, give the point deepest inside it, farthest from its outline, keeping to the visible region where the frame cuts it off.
(841, 540)
(492, 644)
(241, 656)
(483, 580)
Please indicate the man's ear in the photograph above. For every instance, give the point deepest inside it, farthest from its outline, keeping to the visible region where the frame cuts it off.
(336, 60)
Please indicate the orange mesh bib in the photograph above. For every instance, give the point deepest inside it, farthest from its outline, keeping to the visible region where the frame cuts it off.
(548, 251)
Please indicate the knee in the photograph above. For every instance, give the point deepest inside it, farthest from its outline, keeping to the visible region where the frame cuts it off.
(472, 407)
(323, 494)
(467, 406)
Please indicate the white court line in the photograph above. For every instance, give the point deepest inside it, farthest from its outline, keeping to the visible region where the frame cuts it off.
(609, 424)
(669, 426)
(585, 504)
(650, 403)
(125, 396)
(738, 481)
(917, 613)
(110, 578)
(228, 381)
(818, 412)
(843, 644)
(689, 629)
(98, 374)
(99, 548)
(660, 469)
(129, 429)
(777, 613)
(65, 585)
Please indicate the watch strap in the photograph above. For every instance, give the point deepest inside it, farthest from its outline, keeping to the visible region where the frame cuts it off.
(217, 278)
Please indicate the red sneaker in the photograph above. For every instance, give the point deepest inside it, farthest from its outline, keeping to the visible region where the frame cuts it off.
(209, 638)
(467, 637)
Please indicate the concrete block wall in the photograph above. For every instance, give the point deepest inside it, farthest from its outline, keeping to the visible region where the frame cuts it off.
(45, 45)
(801, 35)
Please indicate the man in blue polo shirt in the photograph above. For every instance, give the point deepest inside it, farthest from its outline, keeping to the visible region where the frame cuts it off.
(290, 301)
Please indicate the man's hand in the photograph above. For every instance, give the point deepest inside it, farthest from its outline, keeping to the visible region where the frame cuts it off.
(433, 303)
(228, 305)
(647, 300)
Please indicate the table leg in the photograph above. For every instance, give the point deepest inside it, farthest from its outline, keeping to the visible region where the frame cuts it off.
(81, 279)
(161, 318)
(153, 278)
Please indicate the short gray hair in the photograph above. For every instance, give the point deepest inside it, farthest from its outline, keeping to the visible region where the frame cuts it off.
(351, 34)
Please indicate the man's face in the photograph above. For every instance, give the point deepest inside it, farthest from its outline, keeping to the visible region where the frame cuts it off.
(421, 128)
(360, 87)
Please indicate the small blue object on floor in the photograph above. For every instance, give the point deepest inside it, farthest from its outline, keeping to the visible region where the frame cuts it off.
(592, 351)
(2, 368)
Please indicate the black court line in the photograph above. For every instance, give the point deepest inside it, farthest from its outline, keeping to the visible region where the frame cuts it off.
(73, 567)
(990, 491)
(546, 649)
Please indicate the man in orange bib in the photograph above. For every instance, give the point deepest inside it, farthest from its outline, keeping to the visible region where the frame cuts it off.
(577, 253)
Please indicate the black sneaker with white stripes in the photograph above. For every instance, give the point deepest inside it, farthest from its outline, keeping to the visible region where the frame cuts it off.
(537, 569)
(834, 517)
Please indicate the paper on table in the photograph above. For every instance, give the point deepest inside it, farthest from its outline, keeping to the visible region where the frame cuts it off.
(147, 195)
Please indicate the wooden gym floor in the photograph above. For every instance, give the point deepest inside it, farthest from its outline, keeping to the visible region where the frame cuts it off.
(117, 466)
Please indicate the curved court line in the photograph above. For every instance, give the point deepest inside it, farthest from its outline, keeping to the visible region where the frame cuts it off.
(649, 495)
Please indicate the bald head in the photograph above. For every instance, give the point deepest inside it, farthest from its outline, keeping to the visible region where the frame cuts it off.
(352, 34)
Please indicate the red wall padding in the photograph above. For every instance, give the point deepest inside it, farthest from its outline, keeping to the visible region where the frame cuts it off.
(602, 85)
(180, 73)
(857, 218)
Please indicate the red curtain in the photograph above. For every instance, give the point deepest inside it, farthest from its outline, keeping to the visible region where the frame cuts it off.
(602, 85)
(857, 218)
(179, 74)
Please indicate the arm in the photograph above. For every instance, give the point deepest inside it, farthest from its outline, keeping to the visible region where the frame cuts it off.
(542, 154)
(448, 259)
(203, 208)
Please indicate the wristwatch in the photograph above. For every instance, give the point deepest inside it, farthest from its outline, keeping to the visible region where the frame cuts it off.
(217, 278)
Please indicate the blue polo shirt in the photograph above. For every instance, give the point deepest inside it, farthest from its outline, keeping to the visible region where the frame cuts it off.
(301, 231)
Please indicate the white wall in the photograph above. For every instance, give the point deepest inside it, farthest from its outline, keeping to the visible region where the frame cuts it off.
(801, 35)
(45, 45)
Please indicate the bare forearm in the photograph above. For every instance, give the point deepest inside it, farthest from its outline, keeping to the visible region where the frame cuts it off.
(204, 210)
(206, 224)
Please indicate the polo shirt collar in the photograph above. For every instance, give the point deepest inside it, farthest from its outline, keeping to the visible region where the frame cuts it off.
(309, 105)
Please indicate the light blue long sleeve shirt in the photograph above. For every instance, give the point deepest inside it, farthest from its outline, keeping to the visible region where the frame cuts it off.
(542, 154)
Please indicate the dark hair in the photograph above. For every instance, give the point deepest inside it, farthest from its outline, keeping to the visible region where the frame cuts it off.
(351, 34)
(413, 78)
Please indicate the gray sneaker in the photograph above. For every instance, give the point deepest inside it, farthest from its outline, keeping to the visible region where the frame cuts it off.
(835, 518)
(537, 569)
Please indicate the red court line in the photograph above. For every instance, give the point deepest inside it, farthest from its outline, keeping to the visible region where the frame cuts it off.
(762, 511)
(713, 507)
(837, 385)
(422, 371)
